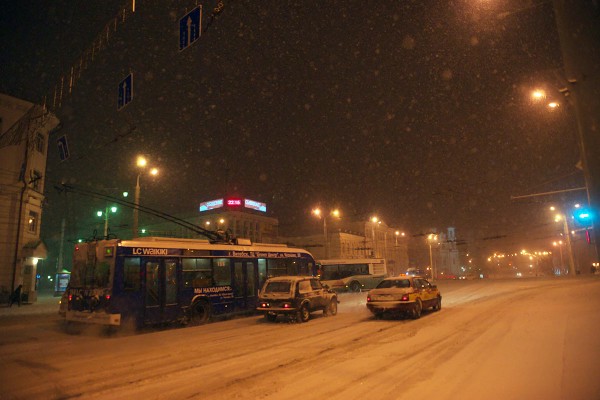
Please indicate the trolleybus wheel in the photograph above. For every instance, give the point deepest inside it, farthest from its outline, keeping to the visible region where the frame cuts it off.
(355, 287)
(200, 312)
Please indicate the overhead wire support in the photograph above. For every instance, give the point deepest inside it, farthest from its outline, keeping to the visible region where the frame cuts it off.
(213, 236)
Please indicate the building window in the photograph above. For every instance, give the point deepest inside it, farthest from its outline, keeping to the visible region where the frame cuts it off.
(40, 143)
(36, 180)
(32, 222)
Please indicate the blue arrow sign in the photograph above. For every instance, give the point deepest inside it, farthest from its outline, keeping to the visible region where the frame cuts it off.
(63, 147)
(125, 91)
(190, 27)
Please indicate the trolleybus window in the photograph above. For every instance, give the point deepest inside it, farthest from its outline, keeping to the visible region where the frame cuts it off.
(170, 282)
(262, 271)
(197, 272)
(152, 284)
(131, 273)
(222, 271)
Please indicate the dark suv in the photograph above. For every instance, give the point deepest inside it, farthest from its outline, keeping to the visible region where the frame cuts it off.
(296, 297)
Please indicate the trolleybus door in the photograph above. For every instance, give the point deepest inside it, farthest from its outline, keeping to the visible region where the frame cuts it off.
(245, 276)
(161, 290)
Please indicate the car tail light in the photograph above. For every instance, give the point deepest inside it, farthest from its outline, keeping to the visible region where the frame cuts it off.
(404, 297)
(368, 298)
(107, 297)
(286, 306)
(70, 297)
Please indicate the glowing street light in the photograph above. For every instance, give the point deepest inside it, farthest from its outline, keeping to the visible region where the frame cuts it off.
(317, 212)
(112, 209)
(374, 221)
(397, 234)
(431, 239)
(559, 244)
(560, 216)
(141, 163)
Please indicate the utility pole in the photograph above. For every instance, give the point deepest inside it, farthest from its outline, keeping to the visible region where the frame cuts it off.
(579, 35)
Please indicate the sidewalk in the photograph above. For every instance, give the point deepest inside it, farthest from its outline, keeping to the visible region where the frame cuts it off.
(45, 304)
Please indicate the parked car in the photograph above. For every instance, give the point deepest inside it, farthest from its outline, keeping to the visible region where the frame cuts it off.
(404, 295)
(296, 297)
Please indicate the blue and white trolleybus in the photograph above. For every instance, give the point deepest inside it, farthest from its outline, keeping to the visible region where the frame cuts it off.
(154, 280)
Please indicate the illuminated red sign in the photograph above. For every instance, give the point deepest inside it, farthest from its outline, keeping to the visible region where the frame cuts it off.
(234, 202)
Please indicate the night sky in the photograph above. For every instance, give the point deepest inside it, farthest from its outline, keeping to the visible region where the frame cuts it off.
(416, 111)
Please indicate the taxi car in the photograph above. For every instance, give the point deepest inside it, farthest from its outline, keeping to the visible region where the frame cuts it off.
(404, 294)
(296, 297)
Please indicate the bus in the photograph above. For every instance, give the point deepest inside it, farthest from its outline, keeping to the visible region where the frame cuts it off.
(155, 280)
(352, 274)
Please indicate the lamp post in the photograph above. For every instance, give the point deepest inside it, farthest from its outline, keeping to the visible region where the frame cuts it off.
(374, 220)
(396, 234)
(113, 209)
(562, 217)
(560, 244)
(141, 163)
(319, 213)
(431, 238)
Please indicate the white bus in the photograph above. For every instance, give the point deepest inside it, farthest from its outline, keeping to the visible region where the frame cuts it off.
(352, 274)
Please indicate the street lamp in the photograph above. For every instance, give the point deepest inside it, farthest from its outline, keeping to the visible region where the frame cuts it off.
(398, 234)
(112, 209)
(141, 163)
(374, 221)
(317, 212)
(431, 238)
(559, 244)
(562, 217)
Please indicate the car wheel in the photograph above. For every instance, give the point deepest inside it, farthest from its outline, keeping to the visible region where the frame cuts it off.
(355, 287)
(303, 314)
(438, 304)
(270, 317)
(417, 310)
(331, 308)
(200, 313)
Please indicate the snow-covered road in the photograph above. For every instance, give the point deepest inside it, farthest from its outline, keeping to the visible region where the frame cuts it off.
(518, 339)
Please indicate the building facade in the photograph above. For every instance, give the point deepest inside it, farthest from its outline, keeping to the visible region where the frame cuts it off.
(445, 255)
(236, 217)
(24, 133)
(357, 239)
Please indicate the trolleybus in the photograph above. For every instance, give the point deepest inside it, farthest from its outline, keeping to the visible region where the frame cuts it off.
(352, 274)
(154, 280)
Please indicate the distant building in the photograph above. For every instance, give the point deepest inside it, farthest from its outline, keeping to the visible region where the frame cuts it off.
(357, 239)
(446, 256)
(24, 132)
(236, 217)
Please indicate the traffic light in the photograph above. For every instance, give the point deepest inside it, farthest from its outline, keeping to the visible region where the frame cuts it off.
(588, 238)
(584, 216)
